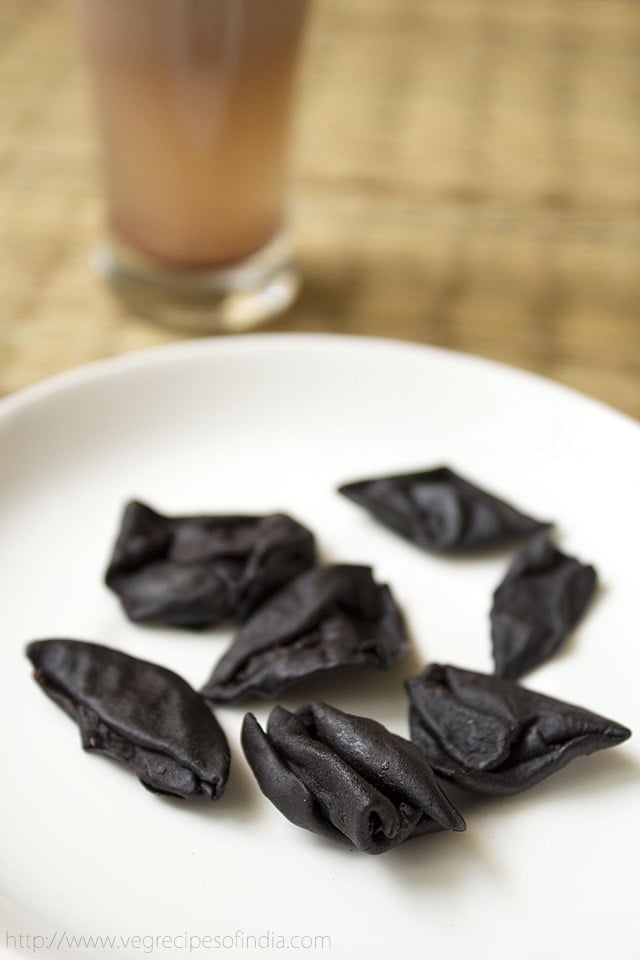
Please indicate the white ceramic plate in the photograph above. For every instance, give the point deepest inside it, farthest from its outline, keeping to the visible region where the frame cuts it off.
(276, 422)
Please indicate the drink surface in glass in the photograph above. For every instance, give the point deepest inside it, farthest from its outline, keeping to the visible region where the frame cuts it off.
(194, 102)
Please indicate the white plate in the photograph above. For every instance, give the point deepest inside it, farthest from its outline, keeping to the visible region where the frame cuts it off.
(276, 422)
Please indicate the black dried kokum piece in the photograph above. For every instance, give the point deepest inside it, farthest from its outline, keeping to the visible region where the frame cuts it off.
(136, 712)
(331, 618)
(542, 597)
(440, 511)
(487, 734)
(346, 777)
(199, 571)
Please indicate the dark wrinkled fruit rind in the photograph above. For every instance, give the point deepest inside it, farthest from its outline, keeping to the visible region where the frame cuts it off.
(441, 511)
(542, 597)
(330, 618)
(280, 784)
(489, 735)
(136, 712)
(346, 778)
(200, 571)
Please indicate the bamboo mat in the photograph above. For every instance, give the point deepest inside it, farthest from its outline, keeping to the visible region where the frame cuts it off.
(465, 174)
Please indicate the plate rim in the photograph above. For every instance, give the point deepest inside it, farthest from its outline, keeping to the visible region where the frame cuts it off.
(161, 354)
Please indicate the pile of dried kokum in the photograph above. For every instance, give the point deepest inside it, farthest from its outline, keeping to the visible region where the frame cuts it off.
(345, 777)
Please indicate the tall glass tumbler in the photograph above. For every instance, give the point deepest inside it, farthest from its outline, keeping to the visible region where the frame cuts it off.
(194, 101)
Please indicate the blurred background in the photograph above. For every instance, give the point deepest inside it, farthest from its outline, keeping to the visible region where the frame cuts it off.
(466, 173)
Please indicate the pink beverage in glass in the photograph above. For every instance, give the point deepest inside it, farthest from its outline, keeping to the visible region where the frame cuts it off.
(194, 100)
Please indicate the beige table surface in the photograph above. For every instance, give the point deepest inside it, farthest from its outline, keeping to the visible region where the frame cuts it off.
(466, 173)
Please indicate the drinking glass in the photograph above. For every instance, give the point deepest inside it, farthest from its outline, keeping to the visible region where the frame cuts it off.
(194, 102)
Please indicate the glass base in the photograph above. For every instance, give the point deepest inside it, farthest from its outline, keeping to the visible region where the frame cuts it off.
(227, 300)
